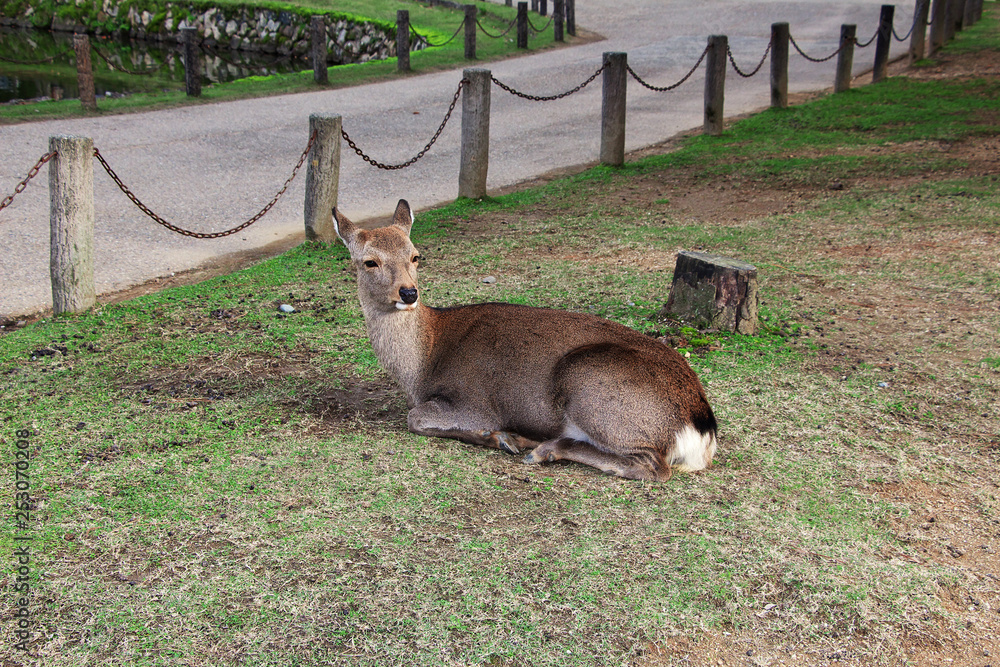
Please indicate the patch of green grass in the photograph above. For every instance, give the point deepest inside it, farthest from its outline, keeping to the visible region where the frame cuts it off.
(214, 481)
(436, 22)
(979, 37)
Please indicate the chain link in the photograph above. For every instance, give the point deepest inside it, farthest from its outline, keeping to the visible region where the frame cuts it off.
(43, 61)
(549, 98)
(418, 39)
(543, 28)
(23, 184)
(810, 58)
(419, 155)
(488, 34)
(201, 235)
(447, 41)
(869, 42)
(907, 35)
(664, 89)
(119, 68)
(747, 75)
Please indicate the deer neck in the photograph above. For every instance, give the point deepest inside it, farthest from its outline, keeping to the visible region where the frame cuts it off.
(401, 340)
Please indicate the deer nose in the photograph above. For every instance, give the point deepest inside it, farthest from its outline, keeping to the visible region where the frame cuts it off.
(408, 294)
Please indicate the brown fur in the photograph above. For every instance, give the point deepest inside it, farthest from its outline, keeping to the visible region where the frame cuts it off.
(565, 385)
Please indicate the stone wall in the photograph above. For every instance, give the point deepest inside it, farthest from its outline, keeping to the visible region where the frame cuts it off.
(248, 28)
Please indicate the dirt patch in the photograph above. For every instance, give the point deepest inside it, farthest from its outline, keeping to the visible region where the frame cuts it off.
(905, 340)
(951, 525)
(357, 400)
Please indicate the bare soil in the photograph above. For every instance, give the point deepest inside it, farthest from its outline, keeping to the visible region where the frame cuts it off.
(948, 523)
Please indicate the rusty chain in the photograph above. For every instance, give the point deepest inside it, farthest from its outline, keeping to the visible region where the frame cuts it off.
(869, 42)
(488, 34)
(907, 35)
(746, 75)
(119, 68)
(201, 235)
(43, 61)
(549, 98)
(664, 89)
(816, 60)
(543, 28)
(419, 155)
(447, 41)
(23, 184)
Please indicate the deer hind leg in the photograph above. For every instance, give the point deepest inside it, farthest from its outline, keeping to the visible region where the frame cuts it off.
(439, 419)
(646, 465)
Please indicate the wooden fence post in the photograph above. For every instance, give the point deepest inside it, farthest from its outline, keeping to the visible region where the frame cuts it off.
(558, 14)
(959, 9)
(969, 15)
(571, 17)
(192, 63)
(779, 65)
(939, 12)
(470, 32)
(845, 59)
(322, 177)
(949, 20)
(402, 40)
(71, 224)
(715, 84)
(522, 25)
(475, 159)
(543, 7)
(615, 82)
(317, 37)
(882, 43)
(84, 72)
(918, 38)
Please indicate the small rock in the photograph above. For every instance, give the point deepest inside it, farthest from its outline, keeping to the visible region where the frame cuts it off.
(285, 308)
(489, 280)
(883, 385)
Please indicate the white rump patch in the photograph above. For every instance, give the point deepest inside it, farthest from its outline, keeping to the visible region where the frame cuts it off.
(693, 450)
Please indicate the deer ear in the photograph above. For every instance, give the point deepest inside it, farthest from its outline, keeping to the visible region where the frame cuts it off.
(403, 217)
(345, 228)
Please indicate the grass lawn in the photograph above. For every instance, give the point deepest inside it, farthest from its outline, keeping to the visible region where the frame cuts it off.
(212, 481)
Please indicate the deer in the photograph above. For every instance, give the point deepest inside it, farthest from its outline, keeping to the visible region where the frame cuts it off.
(556, 384)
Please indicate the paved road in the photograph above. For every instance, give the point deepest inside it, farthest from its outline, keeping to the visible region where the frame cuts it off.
(210, 167)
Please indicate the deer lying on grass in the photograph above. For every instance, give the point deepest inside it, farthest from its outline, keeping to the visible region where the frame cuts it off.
(563, 385)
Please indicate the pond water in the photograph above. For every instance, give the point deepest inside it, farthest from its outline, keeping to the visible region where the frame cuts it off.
(23, 77)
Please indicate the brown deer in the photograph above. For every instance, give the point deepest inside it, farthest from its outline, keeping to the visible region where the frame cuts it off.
(563, 385)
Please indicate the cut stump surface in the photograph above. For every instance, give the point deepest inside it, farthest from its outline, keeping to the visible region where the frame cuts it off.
(714, 291)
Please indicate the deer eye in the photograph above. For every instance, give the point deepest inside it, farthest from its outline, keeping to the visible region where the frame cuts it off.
(371, 263)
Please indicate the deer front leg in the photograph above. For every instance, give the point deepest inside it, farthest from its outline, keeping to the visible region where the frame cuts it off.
(442, 420)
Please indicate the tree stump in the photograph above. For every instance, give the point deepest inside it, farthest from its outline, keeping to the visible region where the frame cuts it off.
(714, 291)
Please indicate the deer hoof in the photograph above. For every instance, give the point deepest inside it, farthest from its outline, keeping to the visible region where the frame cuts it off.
(503, 441)
(530, 459)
